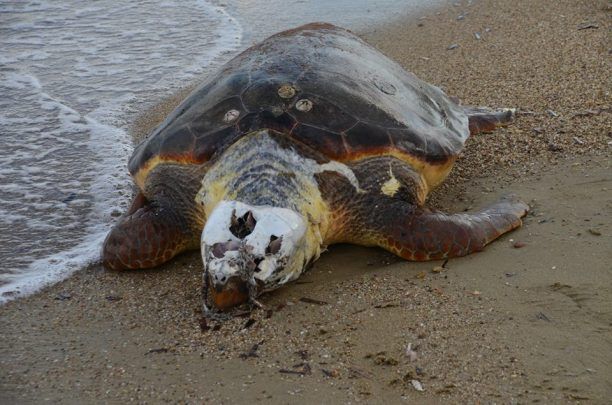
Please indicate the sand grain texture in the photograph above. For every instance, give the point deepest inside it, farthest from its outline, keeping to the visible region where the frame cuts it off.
(529, 319)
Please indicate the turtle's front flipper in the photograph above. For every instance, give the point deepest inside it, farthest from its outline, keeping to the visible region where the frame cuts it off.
(483, 119)
(420, 234)
(150, 234)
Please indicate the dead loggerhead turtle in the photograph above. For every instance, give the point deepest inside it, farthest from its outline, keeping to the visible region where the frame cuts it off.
(309, 138)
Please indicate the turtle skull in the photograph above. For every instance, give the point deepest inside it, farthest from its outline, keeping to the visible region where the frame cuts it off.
(247, 250)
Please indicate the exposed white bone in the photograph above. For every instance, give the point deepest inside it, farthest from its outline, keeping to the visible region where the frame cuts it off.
(280, 222)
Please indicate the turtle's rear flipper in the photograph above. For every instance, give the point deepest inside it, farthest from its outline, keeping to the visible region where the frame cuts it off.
(150, 234)
(421, 235)
(484, 119)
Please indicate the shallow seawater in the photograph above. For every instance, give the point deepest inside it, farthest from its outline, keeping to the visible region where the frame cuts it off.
(73, 76)
(262, 18)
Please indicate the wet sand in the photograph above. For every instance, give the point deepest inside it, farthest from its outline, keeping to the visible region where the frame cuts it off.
(529, 319)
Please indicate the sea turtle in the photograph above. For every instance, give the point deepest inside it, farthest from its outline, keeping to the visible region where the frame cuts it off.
(312, 137)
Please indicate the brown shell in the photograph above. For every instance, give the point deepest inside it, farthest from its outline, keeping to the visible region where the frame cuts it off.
(361, 104)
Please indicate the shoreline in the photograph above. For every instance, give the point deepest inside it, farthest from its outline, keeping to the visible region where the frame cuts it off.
(109, 139)
(503, 325)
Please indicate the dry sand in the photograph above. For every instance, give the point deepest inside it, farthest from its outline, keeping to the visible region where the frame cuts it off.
(522, 322)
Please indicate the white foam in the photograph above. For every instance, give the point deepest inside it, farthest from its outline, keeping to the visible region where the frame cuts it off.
(63, 175)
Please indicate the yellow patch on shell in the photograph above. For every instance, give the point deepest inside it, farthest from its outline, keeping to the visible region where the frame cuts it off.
(391, 186)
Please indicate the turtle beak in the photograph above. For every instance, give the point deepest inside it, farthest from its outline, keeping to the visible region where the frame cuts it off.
(224, 296)
(225, 284)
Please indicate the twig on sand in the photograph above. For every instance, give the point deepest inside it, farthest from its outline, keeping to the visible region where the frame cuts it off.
(305, 369)
(252, 351)
(313, 301)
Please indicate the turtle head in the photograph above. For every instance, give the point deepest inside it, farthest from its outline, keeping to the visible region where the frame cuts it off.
(247, 250)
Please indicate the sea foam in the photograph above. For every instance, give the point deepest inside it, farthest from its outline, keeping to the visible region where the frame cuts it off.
(73, 77)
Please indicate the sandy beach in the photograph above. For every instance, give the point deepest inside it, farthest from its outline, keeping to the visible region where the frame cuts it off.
(529, 319)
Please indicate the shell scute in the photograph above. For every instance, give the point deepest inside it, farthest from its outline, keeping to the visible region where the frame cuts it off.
(406, 139)
(263, 96)
(341, 92)
(215, 117)
(208, 145)
(324, 114)
(182, 140)
(248, 122)
(364, 137)
(227, 83)
(207, 102)
(321, 140)
(282, 122)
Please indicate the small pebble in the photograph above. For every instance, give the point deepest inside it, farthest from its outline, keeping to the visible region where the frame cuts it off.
(411, 354)
(542, 316)
(417, 385)
(587, 25)
(333, 373)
